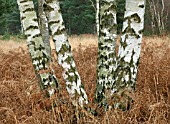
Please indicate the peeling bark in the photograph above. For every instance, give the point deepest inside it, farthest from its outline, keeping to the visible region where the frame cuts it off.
(64, 55)
(36, 47)
(106, 49)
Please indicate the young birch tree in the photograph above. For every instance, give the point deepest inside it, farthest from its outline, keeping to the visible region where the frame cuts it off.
(36, 47)
(151, 8)
(129, 51)
(64, 55)
(160, 11)
(107, 31)
(97, 16)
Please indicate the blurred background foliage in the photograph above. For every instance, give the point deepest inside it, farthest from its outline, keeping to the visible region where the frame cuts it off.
(79, 17)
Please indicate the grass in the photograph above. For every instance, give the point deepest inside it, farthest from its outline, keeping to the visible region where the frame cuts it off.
(21, 101)
(13, 44)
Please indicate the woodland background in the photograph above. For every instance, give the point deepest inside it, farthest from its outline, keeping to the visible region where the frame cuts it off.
(21, 100)
(79, 16)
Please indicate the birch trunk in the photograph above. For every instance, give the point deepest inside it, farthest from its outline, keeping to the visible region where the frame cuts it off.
(129, 51)
(158, 15)
(106, 49)
(36, 47)
(97, 16)
(64, 55)
(43, 24)
(151, 7)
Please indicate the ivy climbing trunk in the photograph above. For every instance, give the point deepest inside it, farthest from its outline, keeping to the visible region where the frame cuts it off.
(129, 51)
(106, 49)
(64, 55)
(36, 47)
(43, 24)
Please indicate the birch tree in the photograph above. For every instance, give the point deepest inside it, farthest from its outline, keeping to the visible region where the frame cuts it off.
(43, 24)
(129, 51)
(64, 55)
(116, 76)
(97, 16)
(36, 47)
(160, 11)
(107, 31)
(151, 7)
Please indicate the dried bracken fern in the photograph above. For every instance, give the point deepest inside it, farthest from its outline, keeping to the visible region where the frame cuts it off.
(21, 100)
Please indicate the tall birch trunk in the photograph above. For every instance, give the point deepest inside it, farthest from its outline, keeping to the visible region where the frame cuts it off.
(64, 55)
(97, 16)
(36, 47)
(159, 15)
(129, 51)
(106, 49)
(43, 24)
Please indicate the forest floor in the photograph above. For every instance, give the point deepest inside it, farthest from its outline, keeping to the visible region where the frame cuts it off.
(21, 101)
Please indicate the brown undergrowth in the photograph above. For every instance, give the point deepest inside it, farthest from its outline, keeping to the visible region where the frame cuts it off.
(21, 101)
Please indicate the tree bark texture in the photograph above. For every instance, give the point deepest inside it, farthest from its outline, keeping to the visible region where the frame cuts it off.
(106, 49)
(43, 24)
(97, 16)
(151, 7)
(129, 50)
(64, 55)
(36, 47)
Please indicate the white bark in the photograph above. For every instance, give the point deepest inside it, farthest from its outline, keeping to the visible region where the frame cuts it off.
(36, 46)
(97, 17)
(160, 15)
(63, 50)
(106, 48)
(130, 46)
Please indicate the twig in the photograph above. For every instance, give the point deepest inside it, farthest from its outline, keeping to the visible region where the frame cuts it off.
(93, 5)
